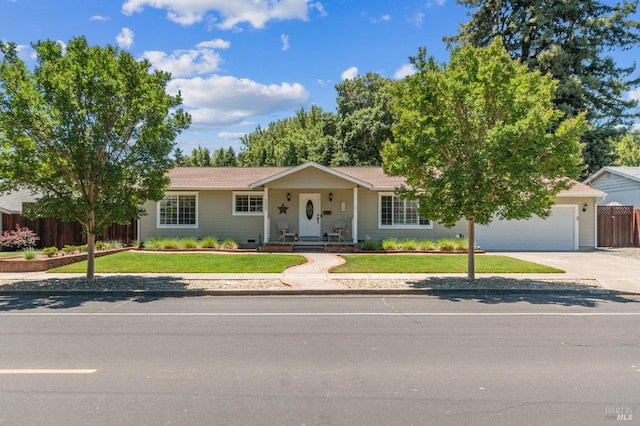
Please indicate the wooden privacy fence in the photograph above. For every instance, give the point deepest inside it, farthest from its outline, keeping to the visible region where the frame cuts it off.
(618, 226)
(55, 232)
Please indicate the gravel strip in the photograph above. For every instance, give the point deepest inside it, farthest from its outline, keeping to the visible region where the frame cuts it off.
(139, 283)
(493, 283)
(438, 283)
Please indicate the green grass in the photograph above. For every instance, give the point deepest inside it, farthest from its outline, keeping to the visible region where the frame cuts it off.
(437, 264)
(8, 254)
(134, 262)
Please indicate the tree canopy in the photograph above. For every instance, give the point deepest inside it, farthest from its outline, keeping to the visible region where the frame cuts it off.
(570, 39)
(479, 137)
(627, 149)
(90, 131)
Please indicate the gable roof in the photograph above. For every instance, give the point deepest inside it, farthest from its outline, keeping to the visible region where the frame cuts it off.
(247, 178)
(332, 171)
(632, 173)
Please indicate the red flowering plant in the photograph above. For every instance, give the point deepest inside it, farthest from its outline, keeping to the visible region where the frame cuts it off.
(21, 237)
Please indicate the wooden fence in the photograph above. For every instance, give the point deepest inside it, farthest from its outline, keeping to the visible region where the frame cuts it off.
(55, 232)
(618, 226)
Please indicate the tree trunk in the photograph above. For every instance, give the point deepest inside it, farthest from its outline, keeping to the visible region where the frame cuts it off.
(471, 266)
(91, 244)
(91, 240)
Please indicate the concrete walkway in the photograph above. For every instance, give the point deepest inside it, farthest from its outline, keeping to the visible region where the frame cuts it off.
(614, 273)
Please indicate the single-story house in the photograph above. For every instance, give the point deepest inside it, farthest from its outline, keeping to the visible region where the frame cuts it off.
(249, 204)
(622, 184)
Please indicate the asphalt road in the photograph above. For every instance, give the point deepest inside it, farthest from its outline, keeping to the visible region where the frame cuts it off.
(409, 360)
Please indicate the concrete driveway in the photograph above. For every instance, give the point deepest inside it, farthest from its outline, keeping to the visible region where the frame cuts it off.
(614, 272)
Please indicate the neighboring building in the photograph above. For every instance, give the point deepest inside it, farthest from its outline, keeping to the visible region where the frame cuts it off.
(247, 203)
(621, 184)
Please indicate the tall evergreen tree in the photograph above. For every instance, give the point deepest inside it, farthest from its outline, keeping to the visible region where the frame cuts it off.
(364, 118)
(572, 40)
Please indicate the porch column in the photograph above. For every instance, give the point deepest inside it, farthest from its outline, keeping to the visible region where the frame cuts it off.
(354, 222)
(265, 212)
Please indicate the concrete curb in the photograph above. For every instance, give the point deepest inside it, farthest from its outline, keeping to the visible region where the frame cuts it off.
(313, 292)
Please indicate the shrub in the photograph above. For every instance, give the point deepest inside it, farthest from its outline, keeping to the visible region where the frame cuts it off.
(153, 243)
(170, 244)
(370, 245)
(83, 248)
(188, 243)
(50, 251)
(209, 242)
(229, 245)
(21, 237)
(426, 245)
(29, 253)
(99, 245)
(113, 244)
(447, 244)
(391, 244)
(409, 244)
(462, 244)
(68, 249)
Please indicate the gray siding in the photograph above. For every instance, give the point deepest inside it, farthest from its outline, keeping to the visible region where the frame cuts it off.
(619, 189)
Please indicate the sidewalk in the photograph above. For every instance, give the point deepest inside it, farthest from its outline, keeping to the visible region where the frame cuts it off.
(615, 274)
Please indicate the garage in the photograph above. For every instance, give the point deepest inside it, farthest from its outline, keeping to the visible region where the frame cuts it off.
(559, 232)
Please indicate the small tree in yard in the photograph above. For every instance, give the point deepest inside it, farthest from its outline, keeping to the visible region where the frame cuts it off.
(479, 138)
(90, 130)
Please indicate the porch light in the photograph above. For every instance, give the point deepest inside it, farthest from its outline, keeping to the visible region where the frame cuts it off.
(331, 196)
(288, 196)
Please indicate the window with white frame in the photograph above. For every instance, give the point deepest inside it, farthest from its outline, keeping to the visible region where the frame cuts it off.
(178, 210)
(248, 203)
(396, 212)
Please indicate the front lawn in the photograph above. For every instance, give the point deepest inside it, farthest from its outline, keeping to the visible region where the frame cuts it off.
(136, 262)
(437, 264)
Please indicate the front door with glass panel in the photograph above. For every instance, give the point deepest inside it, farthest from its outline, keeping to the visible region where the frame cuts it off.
(310, 215)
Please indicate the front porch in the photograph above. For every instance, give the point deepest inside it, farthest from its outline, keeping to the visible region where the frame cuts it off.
(308, 245)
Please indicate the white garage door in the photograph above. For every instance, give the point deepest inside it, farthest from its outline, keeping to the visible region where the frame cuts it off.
(558, 232)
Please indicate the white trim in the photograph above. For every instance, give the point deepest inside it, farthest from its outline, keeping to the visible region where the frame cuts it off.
(307, 165)
(381, 226)
(177, 225)
(266, 222)
(354, 222)
(233, 203)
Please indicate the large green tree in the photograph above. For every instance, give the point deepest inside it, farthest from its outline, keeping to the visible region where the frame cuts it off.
(479, 137)
(572, 40)
(291, 141)
(364, 118)
(89, 130)
(627, 149)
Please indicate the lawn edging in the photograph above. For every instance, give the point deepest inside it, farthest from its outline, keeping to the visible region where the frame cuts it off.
(43, 263)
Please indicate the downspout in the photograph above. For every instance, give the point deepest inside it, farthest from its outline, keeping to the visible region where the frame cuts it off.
(265, 212)
(354, 222)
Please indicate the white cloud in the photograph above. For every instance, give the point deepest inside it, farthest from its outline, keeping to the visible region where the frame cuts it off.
(125, 38)
(403, 71)
(432, 3)
(231, 136)
(214, 44)
(383, 18)
(229, 13)
(349, 74)
(183, 63)
(285, 42)
(634, 94)
(417, 19)
(223, 100)
(99, 18)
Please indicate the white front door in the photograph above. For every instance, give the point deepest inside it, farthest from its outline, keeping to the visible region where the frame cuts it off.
(310, 215)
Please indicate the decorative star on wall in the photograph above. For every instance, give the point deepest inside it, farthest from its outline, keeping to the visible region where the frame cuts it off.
(283, 209)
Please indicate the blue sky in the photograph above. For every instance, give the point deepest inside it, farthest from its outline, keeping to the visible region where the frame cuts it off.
(243, 63)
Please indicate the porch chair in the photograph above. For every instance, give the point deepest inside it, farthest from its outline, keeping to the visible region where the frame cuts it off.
(338, 228)
(285, 232)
